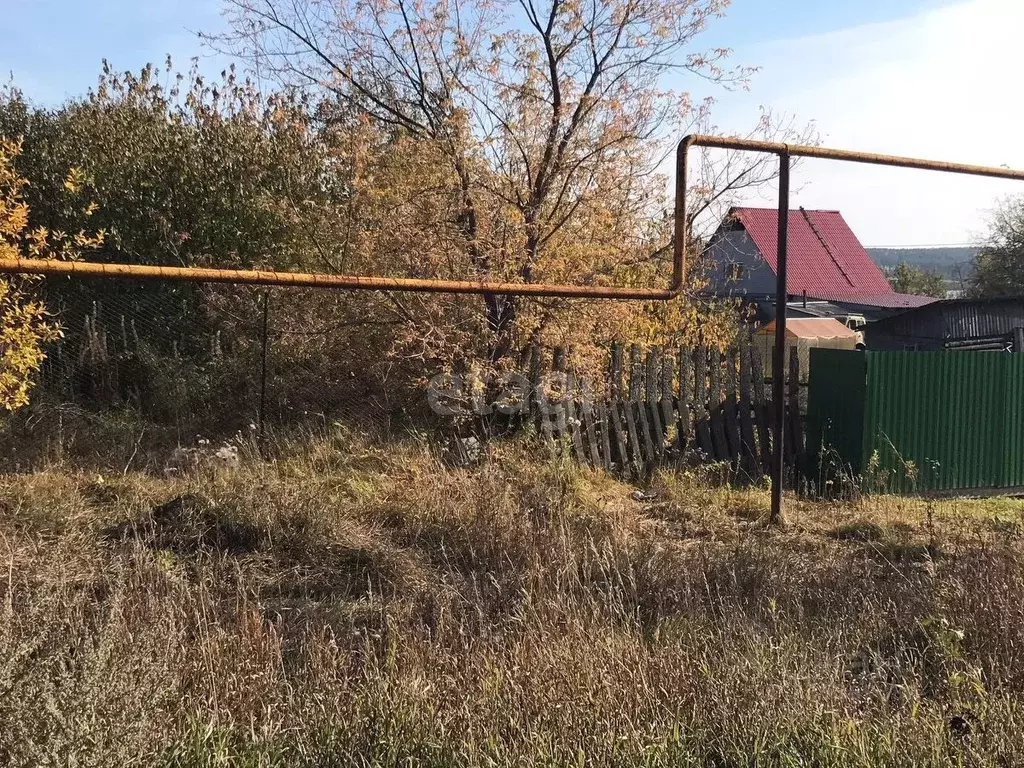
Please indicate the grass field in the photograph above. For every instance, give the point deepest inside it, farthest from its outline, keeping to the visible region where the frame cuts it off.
(352, 602)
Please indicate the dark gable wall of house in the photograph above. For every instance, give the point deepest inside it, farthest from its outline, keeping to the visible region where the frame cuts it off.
(735, 247)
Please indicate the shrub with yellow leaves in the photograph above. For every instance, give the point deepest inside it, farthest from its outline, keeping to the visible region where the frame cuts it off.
(25, 325)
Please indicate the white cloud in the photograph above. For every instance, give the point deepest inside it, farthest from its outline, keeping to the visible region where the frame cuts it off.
(944, 84)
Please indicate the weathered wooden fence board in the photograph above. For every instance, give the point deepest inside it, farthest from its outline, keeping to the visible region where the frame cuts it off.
(716, 407)
(606, 435)
(732, 416)
(588, 414)
(700, 403)
(685, 441)
(652, 411)
(667, 403)
(663, 406)
(750, 461)
(760, 409)
(619, 430)
(638, 406)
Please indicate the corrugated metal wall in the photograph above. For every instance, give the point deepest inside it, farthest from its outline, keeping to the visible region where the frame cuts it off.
(945, 323)
(835, 414)
(933, 420)
(966, 320)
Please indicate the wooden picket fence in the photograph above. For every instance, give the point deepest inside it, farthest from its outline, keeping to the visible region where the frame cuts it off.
(666, 406)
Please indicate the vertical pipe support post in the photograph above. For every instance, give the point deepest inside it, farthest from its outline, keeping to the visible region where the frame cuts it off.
(779, 355)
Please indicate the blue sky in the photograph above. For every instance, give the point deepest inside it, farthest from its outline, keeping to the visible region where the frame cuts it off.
(757, 21)
(57, 45)
(938, 80)
(899, 76)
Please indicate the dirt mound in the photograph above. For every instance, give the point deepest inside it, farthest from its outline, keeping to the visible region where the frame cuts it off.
(190, 524)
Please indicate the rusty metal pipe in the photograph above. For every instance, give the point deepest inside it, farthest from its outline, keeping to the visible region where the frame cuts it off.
(372, 283)
(681, 230)
(851, 156)
(307, 280)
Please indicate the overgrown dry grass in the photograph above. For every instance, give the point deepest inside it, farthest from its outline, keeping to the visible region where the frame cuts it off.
(356, 603)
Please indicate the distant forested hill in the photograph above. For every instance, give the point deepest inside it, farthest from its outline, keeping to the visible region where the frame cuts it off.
(951, 263)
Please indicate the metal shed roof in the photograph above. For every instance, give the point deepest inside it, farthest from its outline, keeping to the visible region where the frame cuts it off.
(957, 319)
(890, 300)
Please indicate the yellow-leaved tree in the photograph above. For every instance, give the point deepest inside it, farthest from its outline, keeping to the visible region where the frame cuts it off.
(25, 325)
(517, 140)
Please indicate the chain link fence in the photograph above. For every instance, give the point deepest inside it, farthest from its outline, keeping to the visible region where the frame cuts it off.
(143, 368)
(160, 375)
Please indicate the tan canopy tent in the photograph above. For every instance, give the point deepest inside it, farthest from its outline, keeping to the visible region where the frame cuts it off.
(805, 333)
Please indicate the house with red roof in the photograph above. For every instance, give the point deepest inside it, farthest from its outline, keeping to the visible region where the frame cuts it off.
(828, 267)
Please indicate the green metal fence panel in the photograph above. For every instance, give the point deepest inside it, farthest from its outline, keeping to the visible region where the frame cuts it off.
(836, 395)
(926, 421)
(938, 420)
(1013, 423)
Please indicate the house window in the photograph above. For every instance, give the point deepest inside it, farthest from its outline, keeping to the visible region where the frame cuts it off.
(734, 271)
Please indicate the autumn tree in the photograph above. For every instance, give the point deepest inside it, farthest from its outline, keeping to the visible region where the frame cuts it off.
(536, 136)
(217, 173)
(25, 325)
(999, 265)
(184, 171)
(203, 173)
(912, 279)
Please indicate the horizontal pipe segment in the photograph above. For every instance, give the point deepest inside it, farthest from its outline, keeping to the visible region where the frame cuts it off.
(851, 156)
(307, 280)
(367, 283)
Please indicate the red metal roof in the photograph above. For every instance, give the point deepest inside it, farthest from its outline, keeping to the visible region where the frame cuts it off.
(825, 257)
